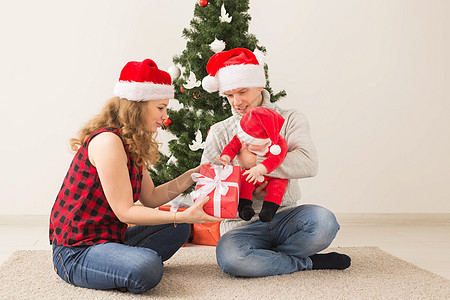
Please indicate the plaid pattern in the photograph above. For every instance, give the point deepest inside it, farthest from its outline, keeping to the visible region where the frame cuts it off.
(81, 214)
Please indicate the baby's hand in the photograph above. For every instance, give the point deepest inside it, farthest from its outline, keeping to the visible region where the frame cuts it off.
(224, 159)
(254, 175)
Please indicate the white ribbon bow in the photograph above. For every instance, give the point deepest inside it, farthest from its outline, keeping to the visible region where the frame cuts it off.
(209, 184)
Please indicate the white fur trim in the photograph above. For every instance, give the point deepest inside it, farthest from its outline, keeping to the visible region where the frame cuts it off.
(143, 91)
(240, 76)
(275, 149)
(246, 138)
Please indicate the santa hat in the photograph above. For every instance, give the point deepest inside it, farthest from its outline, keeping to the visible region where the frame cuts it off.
(232, 69)
(143, 81)
(261, 125)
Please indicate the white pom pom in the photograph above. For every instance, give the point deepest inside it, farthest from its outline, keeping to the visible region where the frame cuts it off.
(275, 149)
(174, 72)
(210, 84)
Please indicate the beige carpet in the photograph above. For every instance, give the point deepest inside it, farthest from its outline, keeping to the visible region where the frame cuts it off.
(193, 274)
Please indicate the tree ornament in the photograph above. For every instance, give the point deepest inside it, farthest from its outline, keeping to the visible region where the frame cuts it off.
(198, 143)
(174, 72)
(192, 82)
(224, 16)
(209, 108)
(217, 45)
(167, 122)
(172, 160)
(196, 94)
(259, 56)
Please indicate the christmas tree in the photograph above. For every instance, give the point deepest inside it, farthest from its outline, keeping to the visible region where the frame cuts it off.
(217, 25)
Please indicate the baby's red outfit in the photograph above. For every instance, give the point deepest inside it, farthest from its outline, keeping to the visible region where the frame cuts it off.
(276, 187)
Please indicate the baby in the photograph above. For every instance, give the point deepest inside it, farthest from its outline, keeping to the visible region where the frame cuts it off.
(259, 132)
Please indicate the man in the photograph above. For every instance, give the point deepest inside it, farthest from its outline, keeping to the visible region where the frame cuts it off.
(291, 241)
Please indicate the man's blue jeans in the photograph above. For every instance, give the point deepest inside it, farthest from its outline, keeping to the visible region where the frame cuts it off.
(136, 265)
(281, 246)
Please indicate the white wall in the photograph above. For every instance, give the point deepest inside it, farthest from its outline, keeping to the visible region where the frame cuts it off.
(372, 77)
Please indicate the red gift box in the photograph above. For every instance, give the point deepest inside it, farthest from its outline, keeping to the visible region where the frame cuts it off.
(206, 234)
(221, 184)
(201, 234)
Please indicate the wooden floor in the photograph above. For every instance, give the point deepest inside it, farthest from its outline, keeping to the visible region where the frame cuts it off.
(422, 239)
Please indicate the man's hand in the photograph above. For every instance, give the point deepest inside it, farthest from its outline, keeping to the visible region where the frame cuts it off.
(260, 191)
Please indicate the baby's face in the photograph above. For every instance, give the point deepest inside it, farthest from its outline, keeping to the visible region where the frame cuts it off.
(256, 148)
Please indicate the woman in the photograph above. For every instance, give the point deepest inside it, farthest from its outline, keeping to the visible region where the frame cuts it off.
(93, 246)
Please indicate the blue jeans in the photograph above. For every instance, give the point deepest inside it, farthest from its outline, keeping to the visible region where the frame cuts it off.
(281, 246)
(136, 265)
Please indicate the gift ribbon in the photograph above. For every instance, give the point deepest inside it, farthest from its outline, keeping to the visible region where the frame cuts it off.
(217, 184)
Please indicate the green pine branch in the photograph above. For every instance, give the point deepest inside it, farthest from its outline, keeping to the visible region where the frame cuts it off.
(200, 109)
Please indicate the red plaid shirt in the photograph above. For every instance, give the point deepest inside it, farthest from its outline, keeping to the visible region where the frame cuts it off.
(81, 214)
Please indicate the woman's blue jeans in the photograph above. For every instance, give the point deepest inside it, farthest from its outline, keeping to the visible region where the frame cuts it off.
(136, 265)
(281, 246)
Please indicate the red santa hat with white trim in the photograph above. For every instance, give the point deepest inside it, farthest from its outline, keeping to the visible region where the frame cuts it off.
(143, 81)
(261, 125)
(232, 69)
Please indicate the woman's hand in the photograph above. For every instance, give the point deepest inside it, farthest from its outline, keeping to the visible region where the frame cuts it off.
(224, 159)
(195, 214)
(197, 169)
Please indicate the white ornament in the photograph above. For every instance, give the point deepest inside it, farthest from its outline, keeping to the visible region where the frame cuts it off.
(174, 72)
(172, 160)
(224, 16)
(198, 143)
(192, 82)
(217, 45)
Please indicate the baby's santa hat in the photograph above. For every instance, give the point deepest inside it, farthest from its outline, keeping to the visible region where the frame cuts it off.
(261, 125)
(143, 81)
(232, 69)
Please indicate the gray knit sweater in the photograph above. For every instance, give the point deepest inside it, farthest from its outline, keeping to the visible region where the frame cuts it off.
(300, 162)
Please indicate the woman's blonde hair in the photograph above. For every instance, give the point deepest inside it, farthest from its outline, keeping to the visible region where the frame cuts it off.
(129, 117)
